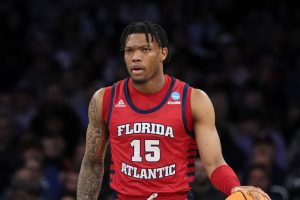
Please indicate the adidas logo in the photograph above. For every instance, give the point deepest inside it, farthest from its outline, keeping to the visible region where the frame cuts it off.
(173, 102)
(120, 103)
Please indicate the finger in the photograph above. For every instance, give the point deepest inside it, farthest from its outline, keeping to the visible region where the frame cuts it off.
(265, 195)
(236, 189)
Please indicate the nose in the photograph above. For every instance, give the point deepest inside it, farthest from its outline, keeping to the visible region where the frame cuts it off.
(137, 56)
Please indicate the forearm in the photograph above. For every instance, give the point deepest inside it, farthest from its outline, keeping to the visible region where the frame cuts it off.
(90, 179)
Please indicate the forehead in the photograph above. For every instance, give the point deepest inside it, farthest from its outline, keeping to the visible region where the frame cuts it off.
(139, 39)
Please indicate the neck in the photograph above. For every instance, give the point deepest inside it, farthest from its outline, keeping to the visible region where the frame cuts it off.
(151, 86)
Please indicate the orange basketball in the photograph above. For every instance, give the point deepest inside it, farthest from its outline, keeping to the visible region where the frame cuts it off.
(243, 195)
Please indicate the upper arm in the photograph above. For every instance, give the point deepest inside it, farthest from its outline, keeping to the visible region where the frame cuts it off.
(97, 135)
(206, 134)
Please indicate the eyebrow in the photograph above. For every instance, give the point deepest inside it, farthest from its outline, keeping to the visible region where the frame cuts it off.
(138, 46)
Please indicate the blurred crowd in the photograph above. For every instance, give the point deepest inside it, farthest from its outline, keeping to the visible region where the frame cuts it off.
(56, 53)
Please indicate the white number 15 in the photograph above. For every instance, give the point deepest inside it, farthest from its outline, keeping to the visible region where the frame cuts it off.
(152, 151)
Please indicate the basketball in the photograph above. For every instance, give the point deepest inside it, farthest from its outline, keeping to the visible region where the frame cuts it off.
(244, 195)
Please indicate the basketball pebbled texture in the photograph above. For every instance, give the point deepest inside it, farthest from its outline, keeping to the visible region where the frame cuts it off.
(244, 195)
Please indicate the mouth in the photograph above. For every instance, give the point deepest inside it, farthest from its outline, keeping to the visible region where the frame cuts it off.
(136, 69)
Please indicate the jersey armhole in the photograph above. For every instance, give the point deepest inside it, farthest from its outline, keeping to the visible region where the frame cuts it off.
(189, 114)
(187, 110)
(107, 102)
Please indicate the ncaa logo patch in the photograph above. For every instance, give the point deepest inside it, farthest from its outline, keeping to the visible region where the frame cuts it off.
(175, 96)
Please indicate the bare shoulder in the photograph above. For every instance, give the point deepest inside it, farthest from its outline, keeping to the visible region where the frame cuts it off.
(201, 104)
(199, 95)
(98, 95)
(95, 106)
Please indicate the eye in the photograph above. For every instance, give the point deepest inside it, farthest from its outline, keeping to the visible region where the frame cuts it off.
(128, 50)
(146, 50)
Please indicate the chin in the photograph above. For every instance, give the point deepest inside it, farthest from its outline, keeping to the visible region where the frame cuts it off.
(138, 80)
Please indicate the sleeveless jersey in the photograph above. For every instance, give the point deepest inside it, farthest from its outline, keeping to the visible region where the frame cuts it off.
(152, 149)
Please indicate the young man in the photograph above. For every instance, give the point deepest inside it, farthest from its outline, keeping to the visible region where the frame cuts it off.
(155, 125)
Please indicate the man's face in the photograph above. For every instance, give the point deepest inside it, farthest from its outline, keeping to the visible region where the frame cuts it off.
(258, 178)
(143, 60)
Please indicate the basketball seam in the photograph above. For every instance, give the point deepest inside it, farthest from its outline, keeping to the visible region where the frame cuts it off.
(243, 195)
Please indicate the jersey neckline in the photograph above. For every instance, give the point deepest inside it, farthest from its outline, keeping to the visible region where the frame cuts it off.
(146, 111)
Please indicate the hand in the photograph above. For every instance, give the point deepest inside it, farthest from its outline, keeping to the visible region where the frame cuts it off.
(251, 189)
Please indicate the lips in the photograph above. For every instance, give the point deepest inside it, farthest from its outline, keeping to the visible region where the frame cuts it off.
(136, 69)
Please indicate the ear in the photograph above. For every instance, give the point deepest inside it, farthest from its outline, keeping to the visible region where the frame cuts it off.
(163, 54)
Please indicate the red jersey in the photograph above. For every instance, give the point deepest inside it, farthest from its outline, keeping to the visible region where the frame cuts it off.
(152, 148)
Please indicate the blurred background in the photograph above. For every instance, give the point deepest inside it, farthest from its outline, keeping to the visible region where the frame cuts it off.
(54, 54)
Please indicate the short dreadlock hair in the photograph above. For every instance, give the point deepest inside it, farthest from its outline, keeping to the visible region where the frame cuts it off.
(156, 32)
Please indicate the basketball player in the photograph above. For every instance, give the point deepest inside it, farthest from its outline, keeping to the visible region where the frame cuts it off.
(155, 125)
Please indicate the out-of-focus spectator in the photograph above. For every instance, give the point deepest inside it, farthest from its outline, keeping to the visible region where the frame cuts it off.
(37, 170)
(31, 148)
(53, 148)
(259, 176)
(55, 117)
(69, 182)
(263, 153)
(23, 187)
(250, 127)
(29, 181)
